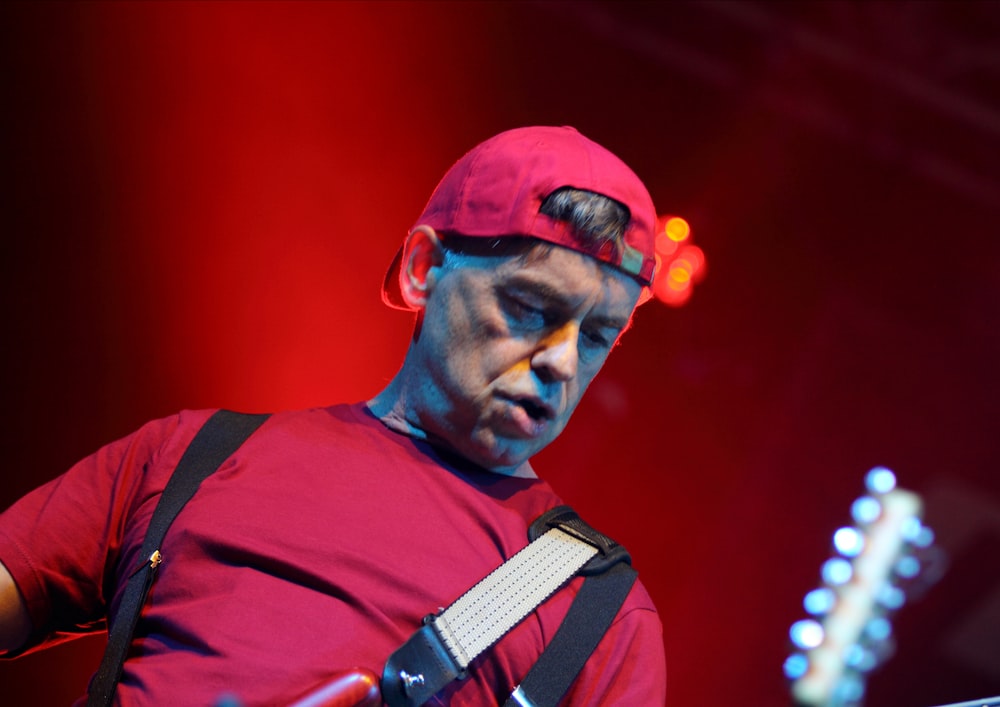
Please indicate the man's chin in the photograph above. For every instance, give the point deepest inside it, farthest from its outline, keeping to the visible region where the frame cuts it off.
(506, 457)
(512, 457)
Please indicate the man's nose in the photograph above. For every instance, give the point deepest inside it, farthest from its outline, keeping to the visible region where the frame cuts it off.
(557, 356)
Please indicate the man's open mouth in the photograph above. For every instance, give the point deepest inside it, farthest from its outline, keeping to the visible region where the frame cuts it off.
(535, 410)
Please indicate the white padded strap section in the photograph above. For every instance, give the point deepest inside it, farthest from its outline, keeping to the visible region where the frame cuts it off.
(500, 600)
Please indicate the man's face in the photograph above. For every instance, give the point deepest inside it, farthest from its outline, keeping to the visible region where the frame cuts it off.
(509, 344)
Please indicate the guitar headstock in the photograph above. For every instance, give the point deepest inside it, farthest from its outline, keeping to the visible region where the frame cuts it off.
(875, 561)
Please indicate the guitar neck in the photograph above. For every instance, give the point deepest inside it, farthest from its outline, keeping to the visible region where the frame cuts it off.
(850, 633)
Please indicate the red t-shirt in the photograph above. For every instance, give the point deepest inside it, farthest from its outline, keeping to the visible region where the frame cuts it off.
(318, 546)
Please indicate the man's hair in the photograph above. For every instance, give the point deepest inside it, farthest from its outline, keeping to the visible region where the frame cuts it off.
(595, 219)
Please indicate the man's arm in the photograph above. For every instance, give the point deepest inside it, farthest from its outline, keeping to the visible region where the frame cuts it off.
(14, 622)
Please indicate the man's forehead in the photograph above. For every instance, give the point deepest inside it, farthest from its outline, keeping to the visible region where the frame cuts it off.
(569, 278)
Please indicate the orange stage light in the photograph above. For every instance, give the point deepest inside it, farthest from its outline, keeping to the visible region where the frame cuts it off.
(677, 229)
(680, 264)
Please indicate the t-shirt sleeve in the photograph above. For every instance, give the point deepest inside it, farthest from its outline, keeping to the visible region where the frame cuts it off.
(62, 542)
(628, 667)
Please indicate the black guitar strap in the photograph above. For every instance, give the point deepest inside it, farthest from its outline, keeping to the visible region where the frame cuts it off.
(220, 436)
(608, 578)
(588, 619)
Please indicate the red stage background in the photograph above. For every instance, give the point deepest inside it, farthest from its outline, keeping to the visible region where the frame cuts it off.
(200, 201)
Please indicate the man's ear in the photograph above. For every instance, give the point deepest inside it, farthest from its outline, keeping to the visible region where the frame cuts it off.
(422, 251)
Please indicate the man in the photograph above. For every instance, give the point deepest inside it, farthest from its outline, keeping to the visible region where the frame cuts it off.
(326, 537)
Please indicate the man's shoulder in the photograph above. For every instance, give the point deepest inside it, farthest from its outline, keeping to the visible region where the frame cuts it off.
(639, 598)
(355, 413)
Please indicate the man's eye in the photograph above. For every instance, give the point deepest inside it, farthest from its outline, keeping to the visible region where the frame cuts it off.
(596, 339)
(522, 312)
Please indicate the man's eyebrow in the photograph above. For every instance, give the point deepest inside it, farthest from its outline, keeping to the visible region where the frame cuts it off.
(612, 322)
(538, 287)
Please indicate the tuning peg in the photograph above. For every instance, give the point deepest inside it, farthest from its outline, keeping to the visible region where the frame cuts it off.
(907, 567)
(890, 597)
(819, 601)
(866, 510)
(848, 692)
(837, 571)
(848, 541)
(796, 665)
(878, 629)
(880, 480)
(917, 534)
(860, 658)
(807, 634)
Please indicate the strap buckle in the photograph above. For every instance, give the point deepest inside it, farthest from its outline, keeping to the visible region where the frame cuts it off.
(419, 668)
(609, 552)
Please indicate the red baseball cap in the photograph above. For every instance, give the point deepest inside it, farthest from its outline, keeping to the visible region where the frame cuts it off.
(498, 187)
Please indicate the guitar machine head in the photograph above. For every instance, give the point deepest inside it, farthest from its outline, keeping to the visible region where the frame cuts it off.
(876, 560)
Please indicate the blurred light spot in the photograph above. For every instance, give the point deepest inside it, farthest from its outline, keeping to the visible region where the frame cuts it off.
(849, 542)
(866, 510)
(796, 665)
(848, 691)
(856, 656)
(664, 246)
(891, 597)
(911, 528)
(880, 480)
(923, 538)
(878, 629)
(837, 571)
(680, 273)
(819, 601)
(677, 229)
(679, 263)
(806, 634)
(908, 567)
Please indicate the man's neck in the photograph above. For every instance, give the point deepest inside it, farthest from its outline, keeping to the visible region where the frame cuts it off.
(390, 407)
